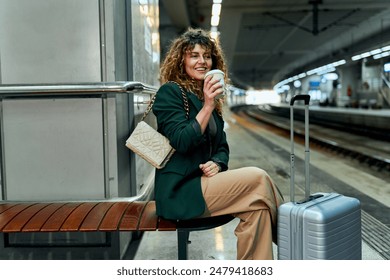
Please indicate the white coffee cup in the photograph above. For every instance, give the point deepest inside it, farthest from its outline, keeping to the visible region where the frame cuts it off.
(217, 75)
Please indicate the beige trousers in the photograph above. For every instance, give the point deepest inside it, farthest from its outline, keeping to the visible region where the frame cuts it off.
(249, 194)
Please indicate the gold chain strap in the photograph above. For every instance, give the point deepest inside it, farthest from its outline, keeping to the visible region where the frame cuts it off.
(185, 100)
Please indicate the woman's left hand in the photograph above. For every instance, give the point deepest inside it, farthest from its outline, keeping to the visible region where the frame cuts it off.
(209, 168)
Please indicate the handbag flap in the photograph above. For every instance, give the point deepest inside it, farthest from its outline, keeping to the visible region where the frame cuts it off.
(149, 144)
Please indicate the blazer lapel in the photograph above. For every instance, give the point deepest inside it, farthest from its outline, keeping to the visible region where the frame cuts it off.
(195, 101)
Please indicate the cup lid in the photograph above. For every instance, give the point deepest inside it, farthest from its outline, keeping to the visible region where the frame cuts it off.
(214, 71)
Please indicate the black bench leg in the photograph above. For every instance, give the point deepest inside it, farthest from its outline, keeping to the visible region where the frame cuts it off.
(182, 244)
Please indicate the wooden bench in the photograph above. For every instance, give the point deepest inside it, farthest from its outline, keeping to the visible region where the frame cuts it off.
(103, 216)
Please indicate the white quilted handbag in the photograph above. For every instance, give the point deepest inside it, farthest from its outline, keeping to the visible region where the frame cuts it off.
(149, 144)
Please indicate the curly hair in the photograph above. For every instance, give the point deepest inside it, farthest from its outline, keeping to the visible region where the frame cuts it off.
(173, 69)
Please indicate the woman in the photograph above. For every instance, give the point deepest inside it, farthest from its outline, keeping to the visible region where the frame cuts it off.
(196, 181)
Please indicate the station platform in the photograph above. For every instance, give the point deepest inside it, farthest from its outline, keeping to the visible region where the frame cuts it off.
(220, 243)
(373, 120)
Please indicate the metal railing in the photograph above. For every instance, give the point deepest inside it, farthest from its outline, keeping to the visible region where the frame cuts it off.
(81, 88)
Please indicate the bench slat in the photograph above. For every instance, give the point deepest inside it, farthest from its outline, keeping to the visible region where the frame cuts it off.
(166, 225)
(149, 219)
(38, 220)
(84, 216)
(23, 217)
(112, 218)
(5, 207)
(10, 213)
(75, 219)
(56, 220)
(95, 217)
(130, 219)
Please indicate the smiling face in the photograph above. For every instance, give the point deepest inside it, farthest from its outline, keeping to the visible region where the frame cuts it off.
(197, 62)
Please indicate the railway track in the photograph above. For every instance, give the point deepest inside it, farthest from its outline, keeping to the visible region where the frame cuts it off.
(374, 153)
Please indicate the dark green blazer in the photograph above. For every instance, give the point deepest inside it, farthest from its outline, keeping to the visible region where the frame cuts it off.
(178, 191)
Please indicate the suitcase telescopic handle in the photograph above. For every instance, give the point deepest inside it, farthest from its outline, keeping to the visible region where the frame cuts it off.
(306, 99)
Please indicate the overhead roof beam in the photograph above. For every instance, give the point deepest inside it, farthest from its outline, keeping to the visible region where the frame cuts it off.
(177, 12)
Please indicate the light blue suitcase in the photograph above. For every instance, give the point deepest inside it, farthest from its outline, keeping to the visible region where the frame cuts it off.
(324, 226)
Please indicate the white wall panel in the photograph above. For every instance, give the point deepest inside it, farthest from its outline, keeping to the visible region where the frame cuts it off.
(56, 153)
(52, 41)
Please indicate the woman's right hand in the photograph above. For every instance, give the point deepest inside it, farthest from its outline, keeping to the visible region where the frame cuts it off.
(211, 89)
